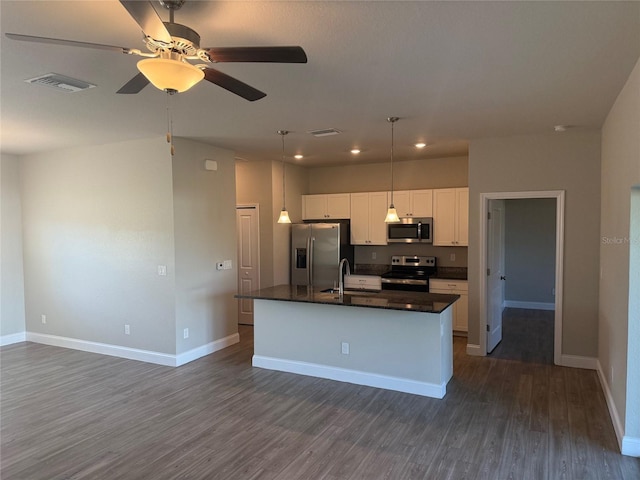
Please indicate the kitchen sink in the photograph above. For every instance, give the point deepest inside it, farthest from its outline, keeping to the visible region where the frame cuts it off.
(350, 292)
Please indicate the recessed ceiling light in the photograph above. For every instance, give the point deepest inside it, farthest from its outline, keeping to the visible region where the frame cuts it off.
(355, 151)
(561, 128)
(421, 145)
(298, 156)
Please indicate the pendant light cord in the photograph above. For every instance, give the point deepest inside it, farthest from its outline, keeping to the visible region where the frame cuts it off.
(283, 133)
(392, 120)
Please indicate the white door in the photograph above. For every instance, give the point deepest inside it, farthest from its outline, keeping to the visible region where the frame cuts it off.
(247, 221)
(495, 273)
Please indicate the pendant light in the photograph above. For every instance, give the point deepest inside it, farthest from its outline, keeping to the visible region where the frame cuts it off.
(284, 215)
(392, 215)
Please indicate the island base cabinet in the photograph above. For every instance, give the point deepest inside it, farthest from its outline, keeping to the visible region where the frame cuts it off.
(397, 350)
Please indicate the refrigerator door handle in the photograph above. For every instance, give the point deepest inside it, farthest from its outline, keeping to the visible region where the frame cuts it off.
(310, 260)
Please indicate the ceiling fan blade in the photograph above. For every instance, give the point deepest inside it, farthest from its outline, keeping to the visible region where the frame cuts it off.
(146, 16)
(134, 85)
(233, 85)
(258, 54)
(68, 43)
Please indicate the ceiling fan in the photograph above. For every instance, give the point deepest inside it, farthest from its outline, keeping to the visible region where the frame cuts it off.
(171, 48)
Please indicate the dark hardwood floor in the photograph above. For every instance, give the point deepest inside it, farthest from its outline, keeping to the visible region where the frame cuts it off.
(73, 415)
(527, 336)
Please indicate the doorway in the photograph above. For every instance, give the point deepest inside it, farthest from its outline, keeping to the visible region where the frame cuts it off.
(248, 231)
(492, 299)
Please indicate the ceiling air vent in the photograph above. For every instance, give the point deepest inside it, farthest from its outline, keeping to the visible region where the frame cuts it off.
(324, 132)
(60, 82)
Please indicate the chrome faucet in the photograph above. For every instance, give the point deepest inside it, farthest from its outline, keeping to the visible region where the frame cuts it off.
(340, 269)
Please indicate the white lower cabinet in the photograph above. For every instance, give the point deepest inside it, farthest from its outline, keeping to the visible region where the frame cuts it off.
(461, 307)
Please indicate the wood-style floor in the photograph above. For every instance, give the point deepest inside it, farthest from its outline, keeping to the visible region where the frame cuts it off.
(527, 336)
(73, 415)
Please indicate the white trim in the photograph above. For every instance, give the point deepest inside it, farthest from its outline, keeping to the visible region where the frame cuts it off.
(529, 305)
(351, 376)
(631, 446)
(576, 361)
(207, 349)
(474, 350)
(13, 338)
(158, 358)
(559, 276)
(613, 411)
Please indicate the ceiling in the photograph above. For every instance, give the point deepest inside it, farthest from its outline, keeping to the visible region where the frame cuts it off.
(452, 72)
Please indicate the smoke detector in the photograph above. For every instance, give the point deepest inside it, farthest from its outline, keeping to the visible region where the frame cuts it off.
(60, 82)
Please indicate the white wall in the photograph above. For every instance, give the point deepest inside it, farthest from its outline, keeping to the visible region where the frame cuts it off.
(205, 233)
(619, 320)
(530, 250)
(570, 162)
(12, 312)
(97, 223)
(100, 221)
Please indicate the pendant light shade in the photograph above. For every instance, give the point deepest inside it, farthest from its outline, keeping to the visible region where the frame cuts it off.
(284, 215)
(392, 215)
(170, 74)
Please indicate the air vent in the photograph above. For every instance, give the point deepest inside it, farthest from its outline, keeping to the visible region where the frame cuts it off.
(324, 132)
(60, 82)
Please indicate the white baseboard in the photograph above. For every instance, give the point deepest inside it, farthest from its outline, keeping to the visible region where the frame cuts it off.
(473, 350)
(613, 411)
(576, 361)
(13, 338)
(529, 305)
(132, 353)
(631, 446)
(352, 376)
(207, 349)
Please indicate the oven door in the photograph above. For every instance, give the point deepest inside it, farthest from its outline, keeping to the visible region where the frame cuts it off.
(405, 284)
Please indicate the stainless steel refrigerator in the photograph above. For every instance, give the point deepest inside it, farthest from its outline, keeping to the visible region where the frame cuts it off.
(317, 249)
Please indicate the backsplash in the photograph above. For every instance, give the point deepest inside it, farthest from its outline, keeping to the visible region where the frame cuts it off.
(454, 273)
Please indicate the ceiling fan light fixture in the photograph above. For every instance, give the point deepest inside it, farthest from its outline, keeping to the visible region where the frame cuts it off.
(168, 74)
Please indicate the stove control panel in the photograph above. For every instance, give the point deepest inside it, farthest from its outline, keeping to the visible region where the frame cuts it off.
(412, 261)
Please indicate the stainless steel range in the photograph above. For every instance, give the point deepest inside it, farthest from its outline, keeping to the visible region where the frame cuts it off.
(409, 273)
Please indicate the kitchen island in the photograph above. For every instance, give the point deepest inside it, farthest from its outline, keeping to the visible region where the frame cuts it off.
(390, 339)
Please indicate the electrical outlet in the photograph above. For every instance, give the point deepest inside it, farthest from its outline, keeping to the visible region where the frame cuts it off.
(226, 265)
(185, 333)
(374, 255)
(162, 270)
(127, 330)
(345, 348)
(44, 319)
(452, 257)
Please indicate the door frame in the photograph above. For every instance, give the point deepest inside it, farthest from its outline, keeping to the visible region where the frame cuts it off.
(558, 195)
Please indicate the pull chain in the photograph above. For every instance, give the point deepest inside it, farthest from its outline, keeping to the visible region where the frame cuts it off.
(170, 121)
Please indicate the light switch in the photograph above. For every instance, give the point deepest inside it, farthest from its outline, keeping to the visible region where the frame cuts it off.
(162, 270)
(227, 264)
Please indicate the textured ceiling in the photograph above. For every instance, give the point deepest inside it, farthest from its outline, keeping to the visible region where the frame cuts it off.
(452, 71)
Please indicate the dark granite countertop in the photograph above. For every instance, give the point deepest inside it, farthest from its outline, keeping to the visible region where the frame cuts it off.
(388, 299)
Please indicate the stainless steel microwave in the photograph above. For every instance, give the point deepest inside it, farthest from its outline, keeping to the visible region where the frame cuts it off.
(411, 230)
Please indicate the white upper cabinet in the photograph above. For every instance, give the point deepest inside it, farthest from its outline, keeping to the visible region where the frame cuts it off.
(413, 203)
(326, 206)
(451, 217)
(368, 211)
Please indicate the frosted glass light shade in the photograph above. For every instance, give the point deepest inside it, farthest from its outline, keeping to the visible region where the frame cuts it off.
(168, 74)
(284, 217)
(392, 215)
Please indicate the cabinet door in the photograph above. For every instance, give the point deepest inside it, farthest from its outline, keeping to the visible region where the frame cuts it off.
(314, 207)
(359, 218)
(402, 202)
(461, 320)
(377, 212)
(338, 206)
(462, 220)
(444, 216)
(422, 203)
